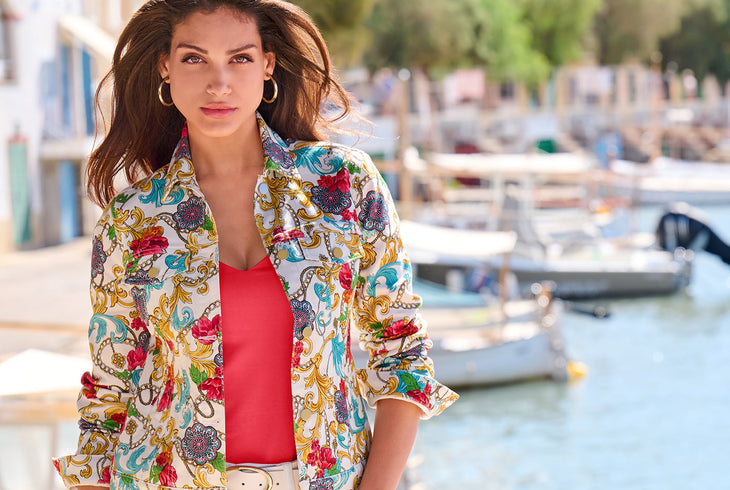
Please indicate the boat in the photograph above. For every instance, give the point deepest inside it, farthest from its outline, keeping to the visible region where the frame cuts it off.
(485, 345)
(565, 245)
(482, 339)
(670, 180)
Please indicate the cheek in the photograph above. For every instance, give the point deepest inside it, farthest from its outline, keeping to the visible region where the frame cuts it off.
(183, 91)
(250, 82)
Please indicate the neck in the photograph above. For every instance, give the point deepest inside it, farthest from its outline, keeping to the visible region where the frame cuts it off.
(227, 156)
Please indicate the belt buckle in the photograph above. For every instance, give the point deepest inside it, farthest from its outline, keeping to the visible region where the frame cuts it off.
(255, 469)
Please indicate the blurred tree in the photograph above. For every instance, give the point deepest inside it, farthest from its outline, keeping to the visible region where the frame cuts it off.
(560, 28)
(702, 44)
(503, 43)
(342, 23)
(435, 36)
(424, 34)
(633, 28)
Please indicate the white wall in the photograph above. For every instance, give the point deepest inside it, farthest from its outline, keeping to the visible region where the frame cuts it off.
(34, 41)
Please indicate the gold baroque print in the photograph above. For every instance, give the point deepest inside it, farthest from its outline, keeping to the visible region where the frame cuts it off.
(310, 269)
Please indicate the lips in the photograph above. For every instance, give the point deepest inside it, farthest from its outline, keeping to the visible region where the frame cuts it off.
(218, 111)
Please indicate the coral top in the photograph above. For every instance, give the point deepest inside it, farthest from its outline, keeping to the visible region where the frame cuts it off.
(258, 329)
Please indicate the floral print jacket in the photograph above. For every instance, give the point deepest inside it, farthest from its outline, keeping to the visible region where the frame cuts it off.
(152, 411)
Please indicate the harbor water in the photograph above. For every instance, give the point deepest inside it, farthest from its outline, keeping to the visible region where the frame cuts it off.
(652, 412)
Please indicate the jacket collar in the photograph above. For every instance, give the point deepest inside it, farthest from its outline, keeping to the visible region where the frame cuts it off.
(180, 170)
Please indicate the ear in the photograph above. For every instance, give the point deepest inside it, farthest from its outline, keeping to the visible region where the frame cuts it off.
(163, 65)
(269, 62)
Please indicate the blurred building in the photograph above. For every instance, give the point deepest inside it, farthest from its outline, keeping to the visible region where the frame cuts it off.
(53, 53)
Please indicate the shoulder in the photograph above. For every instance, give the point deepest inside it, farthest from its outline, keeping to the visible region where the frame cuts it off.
(326, 158)
(134, 195)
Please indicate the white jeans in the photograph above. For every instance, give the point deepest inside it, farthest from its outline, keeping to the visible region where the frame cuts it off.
(284, 476)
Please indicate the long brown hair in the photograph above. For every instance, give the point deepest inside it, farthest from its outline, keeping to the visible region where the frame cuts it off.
(143, 133)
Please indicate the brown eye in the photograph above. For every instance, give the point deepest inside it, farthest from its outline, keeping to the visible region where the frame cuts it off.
(192, 59)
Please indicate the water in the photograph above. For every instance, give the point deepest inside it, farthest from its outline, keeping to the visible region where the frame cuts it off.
(650, 414)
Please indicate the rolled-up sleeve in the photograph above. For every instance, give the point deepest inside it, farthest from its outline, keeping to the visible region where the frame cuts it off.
(102, 401)
(391, 327)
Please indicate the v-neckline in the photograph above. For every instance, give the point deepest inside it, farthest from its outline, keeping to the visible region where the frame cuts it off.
(258, 264)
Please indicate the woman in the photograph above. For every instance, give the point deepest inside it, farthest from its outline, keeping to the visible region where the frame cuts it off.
(255, 233)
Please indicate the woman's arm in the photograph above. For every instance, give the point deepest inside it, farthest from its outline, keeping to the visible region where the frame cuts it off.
(398, 379)
(105, 390)
(396, 423)
(387, 309)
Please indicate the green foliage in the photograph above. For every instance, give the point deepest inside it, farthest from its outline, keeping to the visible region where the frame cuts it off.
(522, 40)
(633, 28)
(424, 34)
(342, 25)
(560, 28)
(502, 42)
(702, 44)
(514, 40)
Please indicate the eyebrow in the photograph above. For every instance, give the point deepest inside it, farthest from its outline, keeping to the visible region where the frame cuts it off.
(230, 51)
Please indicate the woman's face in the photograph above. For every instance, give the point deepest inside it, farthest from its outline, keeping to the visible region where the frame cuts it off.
(217, 70)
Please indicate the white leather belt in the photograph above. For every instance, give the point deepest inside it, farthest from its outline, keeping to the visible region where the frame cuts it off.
(284, 476)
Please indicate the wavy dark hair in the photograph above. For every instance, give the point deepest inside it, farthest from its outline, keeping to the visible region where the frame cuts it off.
(143, 133)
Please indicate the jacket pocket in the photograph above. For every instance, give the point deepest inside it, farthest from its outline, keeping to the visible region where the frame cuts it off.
(322, 243)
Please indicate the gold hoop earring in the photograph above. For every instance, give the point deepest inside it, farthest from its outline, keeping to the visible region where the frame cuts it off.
(276, 91)
(159, 93)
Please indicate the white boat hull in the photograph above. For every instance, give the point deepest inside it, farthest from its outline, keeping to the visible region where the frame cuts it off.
(647, 273)
(505, 362)
(493, 354)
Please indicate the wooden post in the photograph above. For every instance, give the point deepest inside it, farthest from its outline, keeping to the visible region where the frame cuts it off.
(405, 184)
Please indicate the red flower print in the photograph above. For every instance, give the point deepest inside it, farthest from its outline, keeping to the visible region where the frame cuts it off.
(400, 329)
(119, 417)
(166, 397)
(340, 181)
(326, 460)
(312, 457)
(421, 397)
(418, 396)
(348, 215)
(320, 457)
(89, 385)
(136, 358)
(163, 459)
(206, 331)
(296, 358)
(284, 236)
(345, 277)
(105, 476)
(219, 371)
(168, 476)
(138, 324)
(152, 242)
(213, 388)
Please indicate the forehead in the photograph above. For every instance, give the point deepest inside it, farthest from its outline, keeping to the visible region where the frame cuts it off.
(221, 26)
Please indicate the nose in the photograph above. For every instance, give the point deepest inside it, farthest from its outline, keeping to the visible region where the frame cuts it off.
(219, 83)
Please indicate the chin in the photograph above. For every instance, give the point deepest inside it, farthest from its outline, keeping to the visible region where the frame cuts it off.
(218, 129)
